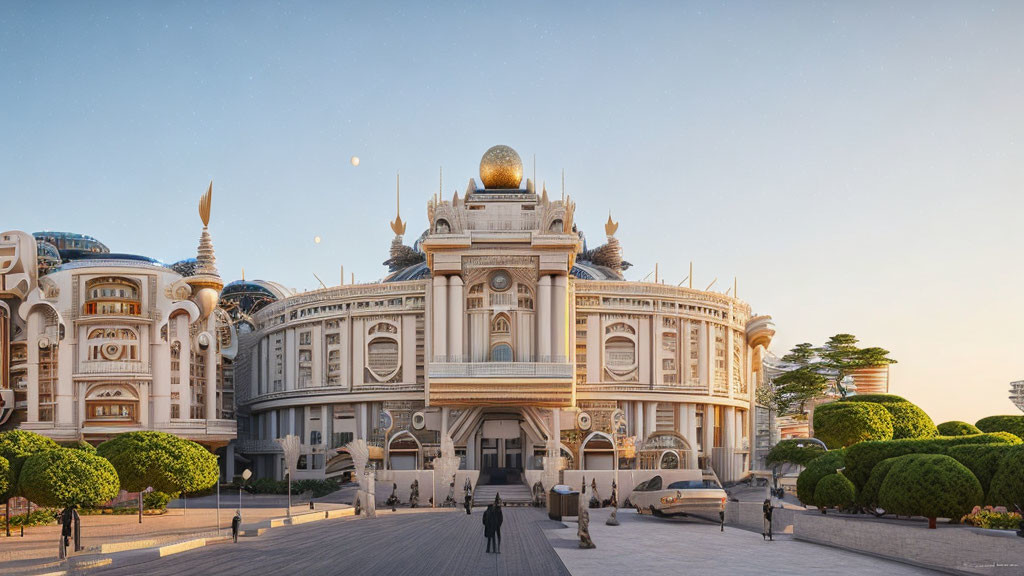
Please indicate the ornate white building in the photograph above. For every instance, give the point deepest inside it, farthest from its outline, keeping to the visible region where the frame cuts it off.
(502, 328)
(93, 343)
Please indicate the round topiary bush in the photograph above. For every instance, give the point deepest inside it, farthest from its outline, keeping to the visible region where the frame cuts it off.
(1007, 487)
(799, 452)
(981, 459)
(16, 446)
(867, 497)
(929, 485)
(834, 491)
(842, 424)
(817, 469)
(79, 445)
(908, 420)
(65, 477)
(1012, 424)
(957, 428)
(162, 461)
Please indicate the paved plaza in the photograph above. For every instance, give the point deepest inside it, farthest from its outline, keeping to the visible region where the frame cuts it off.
(431, 542)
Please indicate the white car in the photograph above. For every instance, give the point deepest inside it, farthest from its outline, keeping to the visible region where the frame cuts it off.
(699, 496)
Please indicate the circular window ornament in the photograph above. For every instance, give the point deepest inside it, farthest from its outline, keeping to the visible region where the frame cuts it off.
(500, 281)
(44, 342)
(419, 421)
(583, 421)
(111, 351)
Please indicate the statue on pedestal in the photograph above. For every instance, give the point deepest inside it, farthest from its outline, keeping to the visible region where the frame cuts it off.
(584, 520)
(595, 501)
(613, 519)
(393, 500)
(414, 493)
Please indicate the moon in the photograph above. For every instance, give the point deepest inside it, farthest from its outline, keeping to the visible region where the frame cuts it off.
(355, 160)
(316, 239)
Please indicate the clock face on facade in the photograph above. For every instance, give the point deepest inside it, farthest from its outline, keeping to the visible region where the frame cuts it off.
(500, 281)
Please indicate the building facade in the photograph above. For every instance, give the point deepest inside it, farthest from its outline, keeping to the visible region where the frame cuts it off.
(501, 328)
(94, 343)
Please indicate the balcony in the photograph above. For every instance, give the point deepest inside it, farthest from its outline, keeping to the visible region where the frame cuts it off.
(543, 384)
(100, 367)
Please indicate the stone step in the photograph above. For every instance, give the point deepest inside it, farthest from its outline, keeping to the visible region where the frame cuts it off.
(511, 494)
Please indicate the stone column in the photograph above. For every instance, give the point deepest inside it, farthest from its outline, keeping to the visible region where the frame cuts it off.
(712, 359)
(709, 429)
(544, 318)
(728, 360)
(444, 421)
(559, 318)
(638, 415)
(651, 413)
(556, 428)
(184, 368)
(690, 432)
(455, 317)
(160, 360)
(229, 462)
(684, 346)
(728, 442)
(143, 414)
(440, 317)
(212, 413)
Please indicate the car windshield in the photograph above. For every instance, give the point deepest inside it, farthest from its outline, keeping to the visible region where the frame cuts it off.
(649, 486)
(694, 484)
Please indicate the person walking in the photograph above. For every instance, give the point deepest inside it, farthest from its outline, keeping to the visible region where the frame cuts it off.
(497, 518)
(236, 524)
(489, 528)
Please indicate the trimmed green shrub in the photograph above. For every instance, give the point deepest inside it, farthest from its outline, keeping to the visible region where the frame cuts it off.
(5, 475)
(318, 488)
(908, 420)
(1012, 424)
(790, 451)
(842, 424)
(957, 428)
(37, 517)
(64, 477)
(817, 469)
(79, 445)
(834, 491)
(862, 457)
(981, 459)
(1007, 487)
(929, 485)
(867, 497)
(156, 500)
(162, 461)
(16, 446)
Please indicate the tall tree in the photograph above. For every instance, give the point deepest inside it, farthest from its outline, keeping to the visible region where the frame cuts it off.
(797, 386)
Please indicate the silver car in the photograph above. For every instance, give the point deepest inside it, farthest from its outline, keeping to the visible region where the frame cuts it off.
(701, 496)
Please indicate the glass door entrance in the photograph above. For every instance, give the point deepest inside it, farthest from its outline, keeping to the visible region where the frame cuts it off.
(501, 460)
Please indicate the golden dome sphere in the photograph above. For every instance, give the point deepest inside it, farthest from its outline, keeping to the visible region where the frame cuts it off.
(501, 168)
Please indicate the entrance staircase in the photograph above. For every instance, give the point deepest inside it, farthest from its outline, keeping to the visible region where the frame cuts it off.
(511, 494)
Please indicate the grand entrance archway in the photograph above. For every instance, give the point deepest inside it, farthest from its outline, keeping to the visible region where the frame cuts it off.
(501, 450)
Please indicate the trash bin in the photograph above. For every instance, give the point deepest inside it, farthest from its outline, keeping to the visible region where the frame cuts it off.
(563, 501)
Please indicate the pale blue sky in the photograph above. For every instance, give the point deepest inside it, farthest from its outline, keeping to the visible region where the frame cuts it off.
(857, 165)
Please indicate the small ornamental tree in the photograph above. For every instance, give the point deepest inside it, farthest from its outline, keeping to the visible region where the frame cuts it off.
(957, 428)
(1007, 488)
(1012, 424)
(5, 475)
(799, 452)
(842, 424)
(841, 356)
(833, 491)
(929, 485)
(161, 461)
(867, 498)
(822, 466)
(65, 477)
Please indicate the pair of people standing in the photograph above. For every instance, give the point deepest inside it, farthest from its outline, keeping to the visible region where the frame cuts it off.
(492, 525)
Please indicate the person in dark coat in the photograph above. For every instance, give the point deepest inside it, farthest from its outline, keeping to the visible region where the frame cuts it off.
(497, 521)
(489, 528)
(236, 524)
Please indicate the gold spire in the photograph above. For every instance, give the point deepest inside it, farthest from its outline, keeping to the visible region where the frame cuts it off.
(398, 227)
(204, 205)
(610, 227)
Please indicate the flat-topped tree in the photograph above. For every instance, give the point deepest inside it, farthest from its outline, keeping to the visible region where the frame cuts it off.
(795, 387)
(66, 477)
(161, 461)
(840, 356)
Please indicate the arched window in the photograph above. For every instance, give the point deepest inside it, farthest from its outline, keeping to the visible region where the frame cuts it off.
(501, 353)
(500, 325)
(442, 227)
(557, 226)
(382, 351)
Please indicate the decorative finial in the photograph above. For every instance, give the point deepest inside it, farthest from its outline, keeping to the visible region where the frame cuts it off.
(398, 227)
(610, 228)
(243, 273)
(204, 205)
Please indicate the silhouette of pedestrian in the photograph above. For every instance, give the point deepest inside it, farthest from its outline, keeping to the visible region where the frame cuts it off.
(497, 518)
(489, 524)
(236, 524)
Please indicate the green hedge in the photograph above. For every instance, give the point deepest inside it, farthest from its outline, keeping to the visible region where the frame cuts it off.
(817, 469)
(842, 424)
(957, 428)
(861, 458)
(1012, 424)
(834, 491)
(156, 500)
(867, 497)
(5, 475)
(1007, 487)
(79, 445)
(929, 485)
(317, 488)
(65, 477)
(908, 420)
(789, 451)
(981, 459)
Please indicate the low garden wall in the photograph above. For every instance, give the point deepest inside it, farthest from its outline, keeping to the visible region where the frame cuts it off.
(951, 548)
(750, 516)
